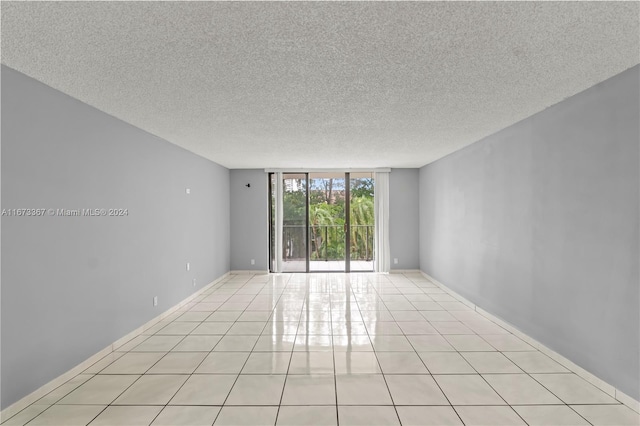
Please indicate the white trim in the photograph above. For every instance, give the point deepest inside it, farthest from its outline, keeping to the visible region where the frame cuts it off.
(43, 390)
(404, 271)
(305, 170)
(26, 401)
(627, 400)
(579, 371)
(249, 271)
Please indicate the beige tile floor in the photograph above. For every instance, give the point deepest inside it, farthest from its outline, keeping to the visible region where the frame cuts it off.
(326, 349)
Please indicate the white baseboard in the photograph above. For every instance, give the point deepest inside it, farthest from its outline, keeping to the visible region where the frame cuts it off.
(404, 271)
(23, 403)
(590, 377)
(248, 271)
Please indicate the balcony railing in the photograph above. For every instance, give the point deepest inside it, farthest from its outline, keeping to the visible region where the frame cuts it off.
(327, 242)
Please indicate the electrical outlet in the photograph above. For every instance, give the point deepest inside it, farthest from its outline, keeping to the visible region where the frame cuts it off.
(155, 300)
(253, 261)
(187, 190)
(194, 282)
(395, 260)
(188, 266)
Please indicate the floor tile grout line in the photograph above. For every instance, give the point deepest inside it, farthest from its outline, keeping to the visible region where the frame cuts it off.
(59, 399)
(89, 422)
(180, 387)
(380, 365)
(113, 400)
(459, 352)
(94, 375)
(523, 371)
(423, 362)
(499, 351)
(106, 406)
(140, 376)
(243, 365)
(211, 351)
(474, 368)
(536, 350)
(191, 374)
(286, 377)
(501, 397)
(560, 399)
(434, 380)
(335, 378)
(376, 286)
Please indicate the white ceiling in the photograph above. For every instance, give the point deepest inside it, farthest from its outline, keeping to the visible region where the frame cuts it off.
(331, 84)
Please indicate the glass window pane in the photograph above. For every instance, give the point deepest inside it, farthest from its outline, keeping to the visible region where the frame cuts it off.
(294, 229)
(361, 221)
(327, 193)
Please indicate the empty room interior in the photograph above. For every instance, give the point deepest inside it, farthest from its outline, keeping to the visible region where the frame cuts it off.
(320, 213)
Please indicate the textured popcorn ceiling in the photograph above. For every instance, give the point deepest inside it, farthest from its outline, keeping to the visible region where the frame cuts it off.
(332, 84)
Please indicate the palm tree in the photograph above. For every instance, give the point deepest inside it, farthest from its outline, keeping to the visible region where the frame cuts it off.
(320, 215)
(361, 214)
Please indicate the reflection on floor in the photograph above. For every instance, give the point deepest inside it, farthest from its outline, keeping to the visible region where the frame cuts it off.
(328, 265)
(323, 349)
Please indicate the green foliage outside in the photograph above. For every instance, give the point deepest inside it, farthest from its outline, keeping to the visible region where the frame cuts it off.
(327, 220)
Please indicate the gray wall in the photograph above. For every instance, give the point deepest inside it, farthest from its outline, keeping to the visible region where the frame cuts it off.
(73, 285)
(403, 218)
(250, 209)
(249, 220)
(538, 224)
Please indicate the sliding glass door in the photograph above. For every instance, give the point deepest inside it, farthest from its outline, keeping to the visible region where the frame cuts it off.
(327, 222)
(294, 224)
(361, 221)
(321, 222)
